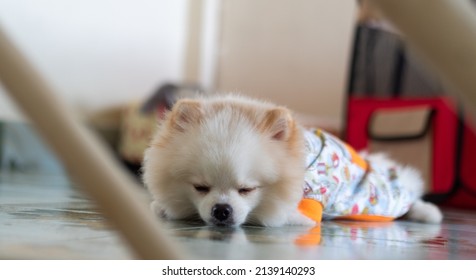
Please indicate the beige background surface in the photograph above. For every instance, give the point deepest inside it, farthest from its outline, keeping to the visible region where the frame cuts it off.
(291, 52)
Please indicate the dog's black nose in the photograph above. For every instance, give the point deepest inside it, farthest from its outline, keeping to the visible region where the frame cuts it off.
(222, 212)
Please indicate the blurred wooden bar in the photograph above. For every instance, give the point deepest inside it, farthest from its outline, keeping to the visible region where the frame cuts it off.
(444, 33)
(84, 158)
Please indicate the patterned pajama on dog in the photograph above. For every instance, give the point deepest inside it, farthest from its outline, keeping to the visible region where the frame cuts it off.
(339, 183)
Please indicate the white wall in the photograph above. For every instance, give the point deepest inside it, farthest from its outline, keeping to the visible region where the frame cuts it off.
(98, 53)
(295, 53)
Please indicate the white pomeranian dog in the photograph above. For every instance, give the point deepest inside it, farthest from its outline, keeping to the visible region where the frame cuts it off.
(230, 160)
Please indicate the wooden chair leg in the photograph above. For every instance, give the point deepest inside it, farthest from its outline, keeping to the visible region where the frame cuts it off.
(443, 32)
(90, 165)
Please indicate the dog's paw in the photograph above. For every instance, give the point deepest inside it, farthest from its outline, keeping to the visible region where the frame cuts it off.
(425, 212)
(296, 218)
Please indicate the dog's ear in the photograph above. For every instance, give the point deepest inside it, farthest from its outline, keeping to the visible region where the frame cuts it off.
(185, 112)
(278, 123)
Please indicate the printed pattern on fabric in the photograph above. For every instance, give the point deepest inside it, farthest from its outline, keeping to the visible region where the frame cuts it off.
(345, 184)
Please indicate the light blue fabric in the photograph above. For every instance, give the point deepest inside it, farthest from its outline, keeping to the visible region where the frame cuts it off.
(345, 188)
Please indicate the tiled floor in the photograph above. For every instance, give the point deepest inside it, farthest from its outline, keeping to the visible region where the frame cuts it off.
(45, 217)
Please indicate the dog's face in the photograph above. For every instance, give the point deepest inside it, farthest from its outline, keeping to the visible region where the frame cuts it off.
(229, 160)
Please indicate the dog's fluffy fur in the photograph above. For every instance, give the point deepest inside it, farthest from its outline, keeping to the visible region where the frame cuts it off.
(232, 160)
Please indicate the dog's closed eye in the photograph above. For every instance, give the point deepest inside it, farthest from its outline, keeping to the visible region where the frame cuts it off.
(245, 191)
(202, 189)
